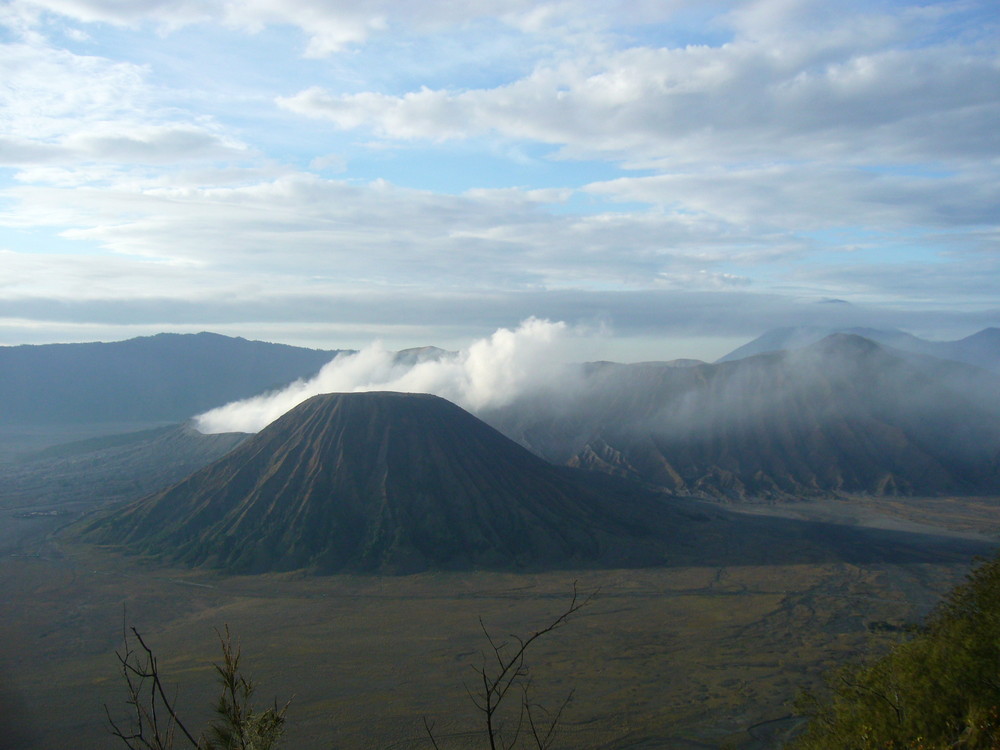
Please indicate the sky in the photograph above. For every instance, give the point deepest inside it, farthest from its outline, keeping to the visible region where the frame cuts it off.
(669, 177)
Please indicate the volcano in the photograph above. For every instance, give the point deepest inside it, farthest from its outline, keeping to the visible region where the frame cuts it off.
(390, 482)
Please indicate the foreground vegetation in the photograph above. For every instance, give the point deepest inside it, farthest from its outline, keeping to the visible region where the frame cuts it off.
(501, 694)
(667, 657)
(153, 723)
(939, 689)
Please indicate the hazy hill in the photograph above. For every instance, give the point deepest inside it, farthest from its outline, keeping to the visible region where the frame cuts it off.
(163, 378)
(980, 349)
(842, 415)
(383, 481)
(117, 467)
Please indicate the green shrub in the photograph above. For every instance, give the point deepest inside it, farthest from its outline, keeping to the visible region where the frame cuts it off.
(939, 690)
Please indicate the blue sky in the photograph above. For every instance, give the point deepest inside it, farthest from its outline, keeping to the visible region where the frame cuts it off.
(679, 175)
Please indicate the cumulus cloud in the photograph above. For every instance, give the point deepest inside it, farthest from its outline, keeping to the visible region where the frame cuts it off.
(490, 373)
(748, 100)
(42, 87)
(70, 109)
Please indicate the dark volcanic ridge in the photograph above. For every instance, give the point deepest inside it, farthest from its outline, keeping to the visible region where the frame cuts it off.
(397, 483)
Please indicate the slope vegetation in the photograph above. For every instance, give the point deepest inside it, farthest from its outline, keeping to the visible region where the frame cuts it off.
(937, 689)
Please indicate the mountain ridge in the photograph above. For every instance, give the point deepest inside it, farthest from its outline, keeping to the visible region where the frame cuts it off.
(981, 349)
(844, 415)
(168, 377)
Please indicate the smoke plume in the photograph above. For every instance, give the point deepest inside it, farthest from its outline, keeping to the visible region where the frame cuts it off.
(490, 373)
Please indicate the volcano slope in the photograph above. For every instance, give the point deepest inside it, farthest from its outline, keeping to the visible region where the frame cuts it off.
(844, 415)
(382, 481)
(398, 483)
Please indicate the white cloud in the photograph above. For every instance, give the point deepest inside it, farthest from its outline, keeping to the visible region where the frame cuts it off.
(64, 108)
(489, 373)
(86, 277)
(170, 14)
(785, 196)
(774, 129)
(314, 233)
(332, 26)
(744, 101)
(151, 143)
(43, 88)
(309, 236)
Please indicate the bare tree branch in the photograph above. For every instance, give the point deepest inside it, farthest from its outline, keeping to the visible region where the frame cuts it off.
(503, 668)
(543, 741)
(239, 726)
(145, 695)
(429, 728)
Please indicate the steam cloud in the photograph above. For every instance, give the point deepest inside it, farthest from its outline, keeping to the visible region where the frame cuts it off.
(490, 373)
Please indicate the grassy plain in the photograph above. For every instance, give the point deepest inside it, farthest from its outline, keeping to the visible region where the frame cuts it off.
(697, 657)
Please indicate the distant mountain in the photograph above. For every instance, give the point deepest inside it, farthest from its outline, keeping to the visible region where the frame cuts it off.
(419, 354)
(796, 337)
(672, 363)
(980, 349)
(386, 481)
(162, 378)
(843, 415)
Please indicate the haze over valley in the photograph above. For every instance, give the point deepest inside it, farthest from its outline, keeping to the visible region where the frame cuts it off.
(647, 353)
(798, 471)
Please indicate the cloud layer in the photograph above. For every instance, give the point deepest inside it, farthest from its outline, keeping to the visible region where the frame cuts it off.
(258, 162)
(750, 100)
